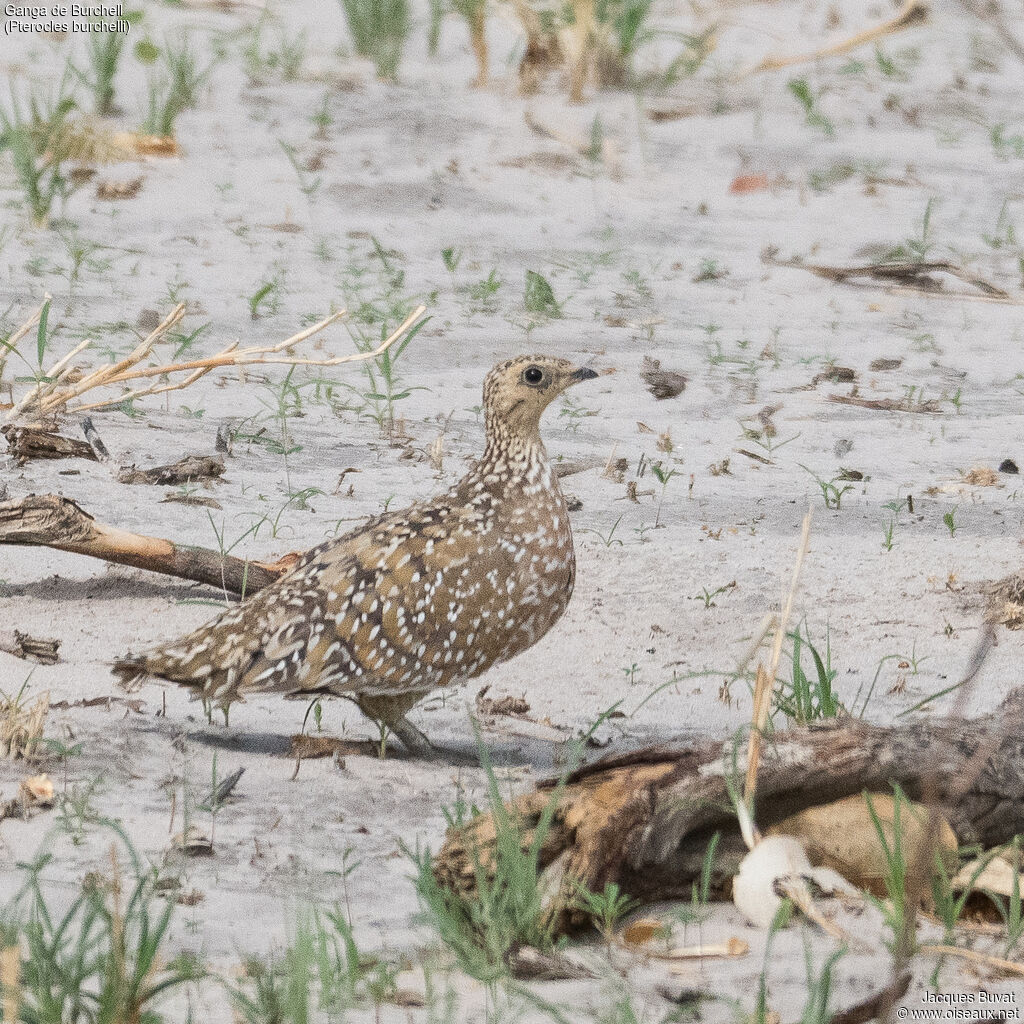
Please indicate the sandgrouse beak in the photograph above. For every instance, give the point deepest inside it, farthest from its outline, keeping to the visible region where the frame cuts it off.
(583, 373)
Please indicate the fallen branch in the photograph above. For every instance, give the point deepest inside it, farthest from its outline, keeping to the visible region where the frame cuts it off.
(889, 404)
(908, 273)
(26, 443)
(192, 467)
(56, 390)
(47, 520)
(644, 819)
(914, 12)
(991, 15)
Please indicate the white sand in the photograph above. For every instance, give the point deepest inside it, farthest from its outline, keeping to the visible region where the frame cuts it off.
(428, 164)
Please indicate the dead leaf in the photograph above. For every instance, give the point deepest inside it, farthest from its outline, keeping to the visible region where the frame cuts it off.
(997, 875)
(193, 843)
(982, 476)
(37, 789)
(743, 184)
(407, 997)
(636, 933)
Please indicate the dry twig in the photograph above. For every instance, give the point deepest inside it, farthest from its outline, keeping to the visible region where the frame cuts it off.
(913, 12)
(54, 393)
(909, 273)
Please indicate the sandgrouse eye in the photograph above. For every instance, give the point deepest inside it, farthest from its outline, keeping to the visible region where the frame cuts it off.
(414, 600)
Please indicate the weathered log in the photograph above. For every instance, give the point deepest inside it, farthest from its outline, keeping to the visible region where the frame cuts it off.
(48, 520)
(26, 443)
(644, 819)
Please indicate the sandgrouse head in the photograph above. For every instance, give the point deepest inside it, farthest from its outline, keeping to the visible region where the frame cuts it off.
(518, 391)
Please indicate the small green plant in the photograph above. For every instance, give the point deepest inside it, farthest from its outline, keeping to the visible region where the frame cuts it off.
(483, 292)
(264, 301)
(1011, 909)
(322, 119)
(663, 477)
(308, 184)
(184, 73)
(320, 972)
(379, 29)
(916, 248)
(1006, 145)
(539, 297)
(385, 389)
(801, 90)
(949, 518)
(7, 348)
(607, 539)
(101, 958)
(895, 910)
(36, 133)
(103, 55)
(950, 903)
(888, 533)
(889, 525)
(806, 698)
(708, 596)
(605, 909)
(831, 493)
(163, 106)
(451, 258)
(819, 985)
(505, 910)
(709, 270)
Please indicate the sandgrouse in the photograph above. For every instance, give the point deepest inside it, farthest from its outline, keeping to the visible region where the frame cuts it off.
(416, 599)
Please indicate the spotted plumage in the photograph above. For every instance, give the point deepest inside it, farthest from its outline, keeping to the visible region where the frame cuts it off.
(414, 600)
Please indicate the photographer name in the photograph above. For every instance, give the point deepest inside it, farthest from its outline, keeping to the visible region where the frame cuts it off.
(980, 996)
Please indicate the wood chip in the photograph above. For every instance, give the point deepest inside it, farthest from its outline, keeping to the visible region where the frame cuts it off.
(203, 500)
(31, 648)
(662, 383)
(190, 468)
(111, 190)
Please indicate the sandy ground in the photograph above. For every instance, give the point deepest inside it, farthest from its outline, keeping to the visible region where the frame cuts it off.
(427, 164)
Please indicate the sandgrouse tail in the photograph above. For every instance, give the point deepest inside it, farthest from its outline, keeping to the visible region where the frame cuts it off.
(414, 600)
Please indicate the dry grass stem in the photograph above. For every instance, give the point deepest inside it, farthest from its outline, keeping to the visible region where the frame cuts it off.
(765, 680)
(995, 962)
(21, 725)
(913, 12)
